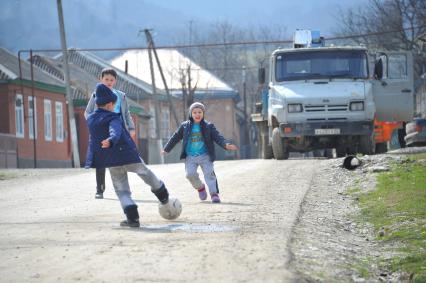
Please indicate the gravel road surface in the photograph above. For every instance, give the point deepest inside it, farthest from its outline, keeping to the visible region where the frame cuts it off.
(52, 229)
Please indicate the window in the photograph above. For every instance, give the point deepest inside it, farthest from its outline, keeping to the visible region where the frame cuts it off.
(165, 122)
(59, 122)
(152, 127)
(142, 132)
(32, 117)
(329, 64)
(47, 120)
(19, 116)
(397, 66)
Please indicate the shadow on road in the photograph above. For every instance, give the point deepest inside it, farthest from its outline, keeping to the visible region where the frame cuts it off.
(203, 202)
(136, 200)
(228, 203)
(181, 227)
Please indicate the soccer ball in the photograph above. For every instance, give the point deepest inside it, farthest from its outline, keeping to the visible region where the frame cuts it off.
(170, 210)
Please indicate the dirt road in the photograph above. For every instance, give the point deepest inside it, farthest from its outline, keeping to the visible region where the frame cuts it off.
(52, 229)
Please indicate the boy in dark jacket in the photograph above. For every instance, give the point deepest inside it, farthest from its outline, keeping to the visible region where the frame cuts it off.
(111, 146)
(109, 78)
(198, 150)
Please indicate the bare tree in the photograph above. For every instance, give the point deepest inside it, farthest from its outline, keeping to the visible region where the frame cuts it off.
(389, 25)
(227, 61)
(188, 91)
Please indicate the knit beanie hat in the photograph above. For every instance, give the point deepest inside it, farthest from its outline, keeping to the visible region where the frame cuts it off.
(196, 105)
(104, 95)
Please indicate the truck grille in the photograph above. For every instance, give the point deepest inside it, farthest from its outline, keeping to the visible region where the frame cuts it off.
(325, 107)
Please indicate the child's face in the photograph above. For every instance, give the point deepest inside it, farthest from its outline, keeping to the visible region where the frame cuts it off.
(110, 106)
(108, 80)
(197, 114)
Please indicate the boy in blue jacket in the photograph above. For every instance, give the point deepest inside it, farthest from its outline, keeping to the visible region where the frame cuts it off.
(111, 146)
(109, 78)
(198, 150)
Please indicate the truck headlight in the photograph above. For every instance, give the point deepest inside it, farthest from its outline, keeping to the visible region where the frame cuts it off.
(292, 108)
(357, 106)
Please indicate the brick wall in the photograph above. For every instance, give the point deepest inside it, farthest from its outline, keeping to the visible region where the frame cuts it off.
(48, 153)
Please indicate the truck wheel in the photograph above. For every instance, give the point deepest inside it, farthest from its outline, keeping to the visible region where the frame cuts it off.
(367, 144)
(265, 147)
(341, 151)
(278, 148)
(381, 147)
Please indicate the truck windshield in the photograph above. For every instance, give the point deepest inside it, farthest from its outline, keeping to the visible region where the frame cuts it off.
(321, 65)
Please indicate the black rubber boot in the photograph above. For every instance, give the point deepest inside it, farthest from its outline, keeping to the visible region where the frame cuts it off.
(100, 192)
(100, 183)
(132, 215)
(162, 194)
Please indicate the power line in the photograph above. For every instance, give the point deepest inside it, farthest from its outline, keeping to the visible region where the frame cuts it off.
(222, 44)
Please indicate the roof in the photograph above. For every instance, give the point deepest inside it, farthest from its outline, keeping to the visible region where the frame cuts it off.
(174, 66)
(93, 65)
(82, 81)
(324, 49)
(9, 70)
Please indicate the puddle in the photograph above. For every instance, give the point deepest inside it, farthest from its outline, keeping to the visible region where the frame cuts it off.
(183, 227)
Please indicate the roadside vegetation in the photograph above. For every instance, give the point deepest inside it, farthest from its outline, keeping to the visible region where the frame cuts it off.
(6, 176)
(397, 210)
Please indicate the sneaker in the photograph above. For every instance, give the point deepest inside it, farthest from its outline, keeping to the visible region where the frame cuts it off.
(99, 195)
(202, 194)
(128, 223)
(215, 198)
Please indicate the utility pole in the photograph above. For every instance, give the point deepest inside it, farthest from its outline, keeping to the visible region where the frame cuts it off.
(33, 106)
(154, 93)
(151, 46)
(169, 98)
(73, 129)
(246, 141)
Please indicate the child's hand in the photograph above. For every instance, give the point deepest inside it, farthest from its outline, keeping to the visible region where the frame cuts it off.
(163, 152)
(106, 143)
(133, 135)
(230, 146)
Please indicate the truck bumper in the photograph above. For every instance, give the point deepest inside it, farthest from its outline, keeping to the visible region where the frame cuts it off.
(318, 129)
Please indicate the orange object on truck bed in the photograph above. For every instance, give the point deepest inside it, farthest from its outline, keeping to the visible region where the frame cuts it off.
(383, 130)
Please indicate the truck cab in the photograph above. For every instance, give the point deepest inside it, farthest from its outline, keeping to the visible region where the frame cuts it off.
(323, 97)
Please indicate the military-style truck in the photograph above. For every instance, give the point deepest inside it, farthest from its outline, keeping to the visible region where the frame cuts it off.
(322, 97)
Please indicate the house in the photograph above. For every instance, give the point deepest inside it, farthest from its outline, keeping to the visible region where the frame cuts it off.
(82, 84)
(188, 82)
(34, 115)
(137, 90)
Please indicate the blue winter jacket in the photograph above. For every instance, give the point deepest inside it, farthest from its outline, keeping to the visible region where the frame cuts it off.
(208, 131)
(104, 124)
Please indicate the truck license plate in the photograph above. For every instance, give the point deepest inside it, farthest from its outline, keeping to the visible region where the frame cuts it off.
(327, 131)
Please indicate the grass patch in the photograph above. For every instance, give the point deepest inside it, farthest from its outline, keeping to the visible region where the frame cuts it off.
(363, 270)
(398, 206)
(6, 176)
(420, 156)
(353, 191)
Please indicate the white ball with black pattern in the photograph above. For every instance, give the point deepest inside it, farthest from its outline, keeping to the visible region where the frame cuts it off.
(171, 210)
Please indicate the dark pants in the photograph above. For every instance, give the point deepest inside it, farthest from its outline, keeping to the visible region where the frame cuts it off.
(100, 179)
(401, 136)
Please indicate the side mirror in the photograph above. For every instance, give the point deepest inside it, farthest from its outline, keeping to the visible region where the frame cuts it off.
(378, 69)
(261, 75)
